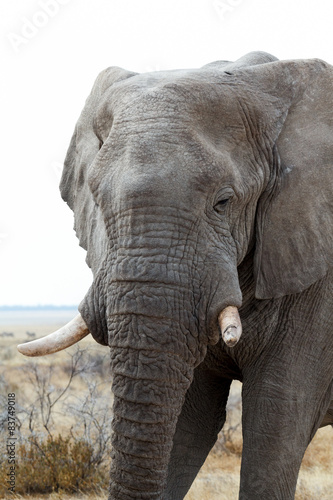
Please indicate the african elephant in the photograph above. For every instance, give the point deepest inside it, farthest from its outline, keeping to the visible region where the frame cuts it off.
(199, 193)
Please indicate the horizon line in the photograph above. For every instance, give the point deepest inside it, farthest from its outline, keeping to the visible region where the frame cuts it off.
(21, 307)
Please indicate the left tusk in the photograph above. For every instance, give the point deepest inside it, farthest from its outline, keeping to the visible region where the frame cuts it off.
(230, 325)
(66, 336)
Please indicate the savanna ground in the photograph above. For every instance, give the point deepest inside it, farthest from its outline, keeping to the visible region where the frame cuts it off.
(75, 413)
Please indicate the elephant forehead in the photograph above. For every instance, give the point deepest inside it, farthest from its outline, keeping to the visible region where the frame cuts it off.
(178, 155)
(199, 98)
(173, 158)
(151, 129)
(177, 129)
(165, 172)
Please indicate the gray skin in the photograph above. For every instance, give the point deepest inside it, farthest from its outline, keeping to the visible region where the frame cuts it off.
(194, 190)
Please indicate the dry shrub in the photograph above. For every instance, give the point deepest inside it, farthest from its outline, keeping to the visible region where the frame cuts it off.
(98, 495)
(229, 442)
(7, 353)
(56, 464)
(62, 434)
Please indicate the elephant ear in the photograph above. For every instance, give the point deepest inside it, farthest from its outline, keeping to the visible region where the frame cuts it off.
(294, 241)
(81, 153)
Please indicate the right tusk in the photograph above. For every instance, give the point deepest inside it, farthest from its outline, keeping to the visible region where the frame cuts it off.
(230, 325)
(66, 336)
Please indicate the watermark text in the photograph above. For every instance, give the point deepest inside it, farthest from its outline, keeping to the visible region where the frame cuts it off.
(32, 25)
(11, 442)
(225, 7)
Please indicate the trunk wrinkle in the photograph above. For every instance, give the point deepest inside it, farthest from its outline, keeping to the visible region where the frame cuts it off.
(140, 456)
(148, 433)
(141, 376)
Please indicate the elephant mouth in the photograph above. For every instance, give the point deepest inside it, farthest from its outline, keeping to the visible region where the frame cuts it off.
(74, 331)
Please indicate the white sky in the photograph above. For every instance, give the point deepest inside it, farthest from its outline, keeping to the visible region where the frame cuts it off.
(47, 73)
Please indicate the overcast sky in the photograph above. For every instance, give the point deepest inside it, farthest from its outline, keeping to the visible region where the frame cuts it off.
(51, 53)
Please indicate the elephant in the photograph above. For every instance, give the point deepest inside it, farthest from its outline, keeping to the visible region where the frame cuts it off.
(204, 200)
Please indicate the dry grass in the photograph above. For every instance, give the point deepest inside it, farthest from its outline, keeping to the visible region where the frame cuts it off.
(13, 364)
(316, 475)
(99, 495)
(219, 477)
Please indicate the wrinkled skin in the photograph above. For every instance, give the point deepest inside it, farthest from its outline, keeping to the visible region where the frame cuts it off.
(195, 190)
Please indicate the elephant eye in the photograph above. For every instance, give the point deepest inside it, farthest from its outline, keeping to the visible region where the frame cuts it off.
(221, 204)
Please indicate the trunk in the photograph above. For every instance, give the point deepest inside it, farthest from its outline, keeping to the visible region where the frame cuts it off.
(149, 388)
(154, 348)
(147, 304)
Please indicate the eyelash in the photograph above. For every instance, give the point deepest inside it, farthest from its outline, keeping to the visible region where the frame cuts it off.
(221, 204)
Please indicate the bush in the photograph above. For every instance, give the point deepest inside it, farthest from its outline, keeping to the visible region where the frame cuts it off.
(56, 464)
(46, 460)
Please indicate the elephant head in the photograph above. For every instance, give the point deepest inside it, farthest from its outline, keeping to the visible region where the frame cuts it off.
(174, 178)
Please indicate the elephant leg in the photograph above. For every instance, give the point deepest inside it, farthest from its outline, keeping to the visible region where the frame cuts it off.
(202, 417)
(279, 422)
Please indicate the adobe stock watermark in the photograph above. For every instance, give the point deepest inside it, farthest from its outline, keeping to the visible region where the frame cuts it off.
(3, 237)
(150, 68)
(30, 27)
(225, 7)
(57, 169)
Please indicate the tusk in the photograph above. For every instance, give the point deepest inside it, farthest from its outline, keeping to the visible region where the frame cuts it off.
(68, 335)
(230, 325)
